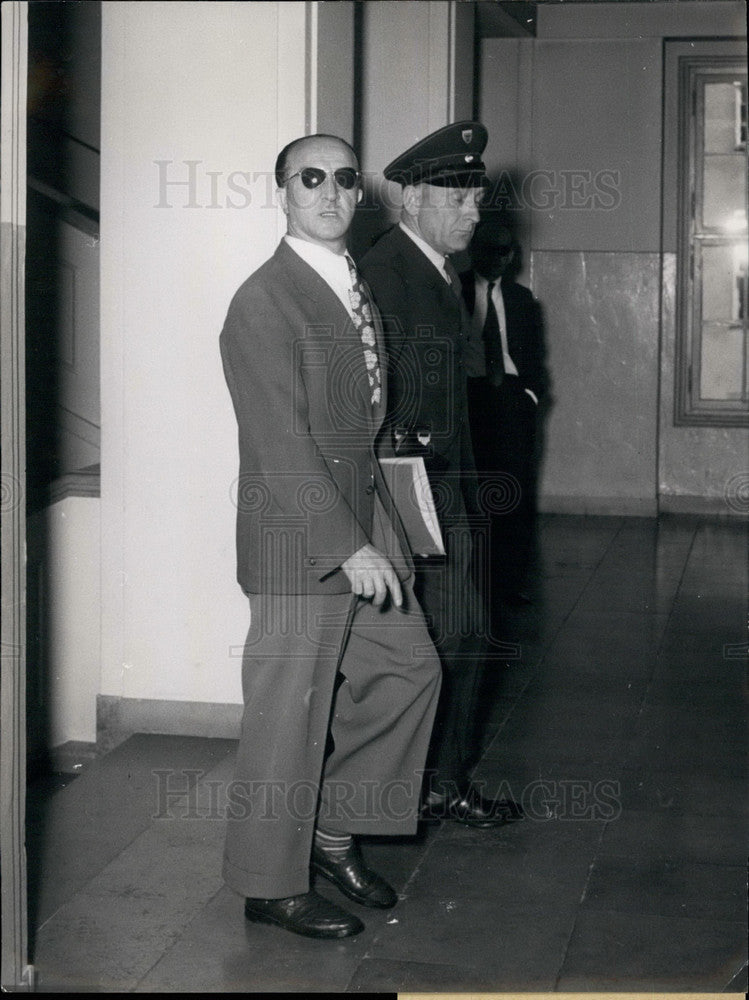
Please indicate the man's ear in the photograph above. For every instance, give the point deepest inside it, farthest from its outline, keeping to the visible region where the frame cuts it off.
(411, 199)
(282, 200)
(359, 195)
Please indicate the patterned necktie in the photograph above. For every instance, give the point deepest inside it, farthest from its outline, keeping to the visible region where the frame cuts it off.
(495, 363)
(361, 307)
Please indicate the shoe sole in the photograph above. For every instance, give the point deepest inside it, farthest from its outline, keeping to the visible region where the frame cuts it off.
(258, 918)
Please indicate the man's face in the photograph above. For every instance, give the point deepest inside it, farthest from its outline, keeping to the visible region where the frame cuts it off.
(492, 251)
(320, 214)
(447, 216)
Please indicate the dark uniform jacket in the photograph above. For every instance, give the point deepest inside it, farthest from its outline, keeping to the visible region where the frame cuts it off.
(425, 334)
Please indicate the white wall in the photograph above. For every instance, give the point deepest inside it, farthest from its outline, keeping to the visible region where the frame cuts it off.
(64, 559)
(220, 84)
(223, 85)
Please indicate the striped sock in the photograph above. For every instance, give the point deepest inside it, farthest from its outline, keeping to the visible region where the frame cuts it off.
(334, 845)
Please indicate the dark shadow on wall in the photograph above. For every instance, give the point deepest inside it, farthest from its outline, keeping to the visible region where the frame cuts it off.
(376, 213)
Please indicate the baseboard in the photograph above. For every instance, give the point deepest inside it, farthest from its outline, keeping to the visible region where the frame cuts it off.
(601, 506)
(700, 506)
(72, 757)
(118, 718)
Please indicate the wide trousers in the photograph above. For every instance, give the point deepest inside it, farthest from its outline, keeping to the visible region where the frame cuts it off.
(340, 698)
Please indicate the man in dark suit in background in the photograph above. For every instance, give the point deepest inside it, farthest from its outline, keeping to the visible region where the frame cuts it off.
(503, 402)
(340, 679)
(417, 290)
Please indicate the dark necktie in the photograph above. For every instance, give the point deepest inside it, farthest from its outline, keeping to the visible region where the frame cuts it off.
(452, 274)
(495, 364)
(361, 307)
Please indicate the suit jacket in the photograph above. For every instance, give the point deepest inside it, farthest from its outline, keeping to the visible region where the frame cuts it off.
(424, 333)
(308, 475)
(524, 332)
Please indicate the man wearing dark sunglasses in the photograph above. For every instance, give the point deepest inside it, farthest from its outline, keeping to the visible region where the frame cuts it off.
(340, 679)
(418, 292)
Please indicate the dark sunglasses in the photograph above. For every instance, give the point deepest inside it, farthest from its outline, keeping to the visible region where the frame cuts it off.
(312, 177)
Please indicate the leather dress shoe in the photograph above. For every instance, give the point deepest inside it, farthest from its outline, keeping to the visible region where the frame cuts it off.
(355, 880)
(472, 809)
(307, 914)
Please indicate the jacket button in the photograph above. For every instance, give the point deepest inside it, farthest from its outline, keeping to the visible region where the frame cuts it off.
(370, 489)
(312, 562)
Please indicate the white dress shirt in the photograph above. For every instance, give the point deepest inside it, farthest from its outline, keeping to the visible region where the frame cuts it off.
(332, 267)
(479, 318)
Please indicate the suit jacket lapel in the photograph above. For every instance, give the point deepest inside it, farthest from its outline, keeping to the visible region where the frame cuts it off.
(308, 281)
(416, 261)
(417, 265)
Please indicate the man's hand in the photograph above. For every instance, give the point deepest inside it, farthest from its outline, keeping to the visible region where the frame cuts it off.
(372, 575)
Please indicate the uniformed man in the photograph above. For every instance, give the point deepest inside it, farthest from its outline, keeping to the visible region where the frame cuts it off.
(427, 330)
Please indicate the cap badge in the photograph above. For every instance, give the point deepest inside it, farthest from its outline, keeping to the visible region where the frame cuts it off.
(467, 134)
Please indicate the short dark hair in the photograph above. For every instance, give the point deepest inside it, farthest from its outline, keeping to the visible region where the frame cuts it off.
(283, 156)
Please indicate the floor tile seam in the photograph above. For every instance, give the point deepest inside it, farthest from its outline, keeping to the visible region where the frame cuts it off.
(511, 709)
(591, 868)
(177, 934)
(404, 961)
(515, 701)
(178, 938)
(558, 977)
(659, 646)
(80, 888)
(712, 921)
(684, 859)
(403, 894)
(735, 976)
(547, 646)
(82, 791)
(594, 569)
(552, 755)
(558, 895)
(83, 888)
(201, 784)
(588, 574)
(85, 893)
(687, 558)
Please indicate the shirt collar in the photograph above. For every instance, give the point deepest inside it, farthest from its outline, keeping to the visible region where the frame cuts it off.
(315, 255)
(438, 259)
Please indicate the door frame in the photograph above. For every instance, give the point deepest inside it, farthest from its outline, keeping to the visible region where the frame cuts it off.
(17, 974)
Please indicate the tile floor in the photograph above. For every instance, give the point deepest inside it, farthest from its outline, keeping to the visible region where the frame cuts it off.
(620, 723)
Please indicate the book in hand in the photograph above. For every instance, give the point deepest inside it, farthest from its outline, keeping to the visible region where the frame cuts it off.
(407, 480)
